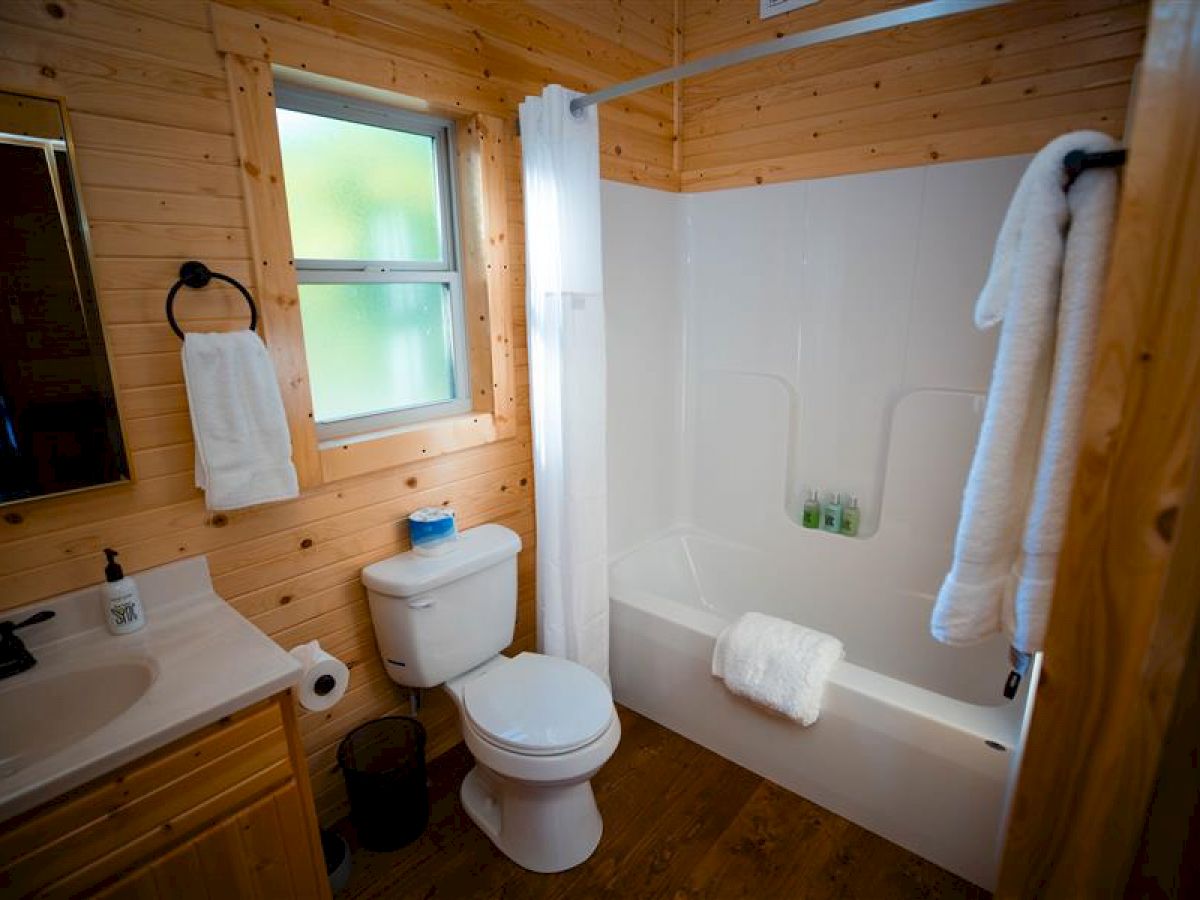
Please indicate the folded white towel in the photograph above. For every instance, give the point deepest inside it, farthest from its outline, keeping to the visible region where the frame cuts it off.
(1044, 285)
(243, 448)
(782, 665)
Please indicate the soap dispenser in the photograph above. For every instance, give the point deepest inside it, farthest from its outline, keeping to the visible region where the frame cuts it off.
(811, 517)
(850, 517)
(831, 514)
(123, 611)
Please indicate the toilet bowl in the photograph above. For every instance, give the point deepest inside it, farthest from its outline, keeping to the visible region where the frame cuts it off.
(538, 726)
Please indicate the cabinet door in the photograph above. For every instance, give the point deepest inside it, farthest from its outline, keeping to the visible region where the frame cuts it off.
(260, 852)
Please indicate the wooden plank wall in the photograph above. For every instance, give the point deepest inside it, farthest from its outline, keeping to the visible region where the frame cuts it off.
(148, 102)
(989, 83)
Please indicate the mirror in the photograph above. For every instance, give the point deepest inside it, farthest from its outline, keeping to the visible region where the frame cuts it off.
(59, 429)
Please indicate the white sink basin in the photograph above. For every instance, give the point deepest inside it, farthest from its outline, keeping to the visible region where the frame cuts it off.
(44, 711)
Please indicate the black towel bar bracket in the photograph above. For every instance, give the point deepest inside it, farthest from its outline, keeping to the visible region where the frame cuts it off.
(195, 274)
(1077, 161)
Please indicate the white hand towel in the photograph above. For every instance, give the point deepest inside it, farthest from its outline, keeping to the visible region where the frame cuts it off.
(779, 664)
(1045, 286)
(243, 448)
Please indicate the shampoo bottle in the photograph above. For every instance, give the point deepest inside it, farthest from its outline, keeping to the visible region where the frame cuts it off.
(811, 517)
(123, 611)
(850, 517)
(831, 514)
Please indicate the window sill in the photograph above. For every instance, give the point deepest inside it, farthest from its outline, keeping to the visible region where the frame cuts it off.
(383, 450)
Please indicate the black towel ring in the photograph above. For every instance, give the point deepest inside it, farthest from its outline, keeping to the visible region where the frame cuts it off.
(196, 274)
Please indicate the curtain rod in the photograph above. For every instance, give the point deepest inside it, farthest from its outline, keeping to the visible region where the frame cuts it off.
(905, 15)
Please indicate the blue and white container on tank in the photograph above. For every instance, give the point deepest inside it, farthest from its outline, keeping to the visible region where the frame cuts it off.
(432, 530)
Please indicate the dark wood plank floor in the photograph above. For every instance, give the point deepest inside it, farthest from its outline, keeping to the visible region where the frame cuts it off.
(679, 822)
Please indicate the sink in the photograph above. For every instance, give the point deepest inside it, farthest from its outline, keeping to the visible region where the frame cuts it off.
(41, 715)
(97, 701)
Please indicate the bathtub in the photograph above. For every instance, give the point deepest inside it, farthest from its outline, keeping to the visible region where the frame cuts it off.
(914, 742)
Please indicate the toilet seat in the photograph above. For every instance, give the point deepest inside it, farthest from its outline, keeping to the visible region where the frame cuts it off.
(538, 705)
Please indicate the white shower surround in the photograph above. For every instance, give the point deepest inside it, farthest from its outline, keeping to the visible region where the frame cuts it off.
(819, 333)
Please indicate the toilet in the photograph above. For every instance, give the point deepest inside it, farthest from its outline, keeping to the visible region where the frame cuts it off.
(538, 726)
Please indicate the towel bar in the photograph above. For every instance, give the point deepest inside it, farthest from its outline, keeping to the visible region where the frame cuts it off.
(1077, 161)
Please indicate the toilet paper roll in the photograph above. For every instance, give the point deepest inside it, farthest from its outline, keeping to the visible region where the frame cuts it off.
(324, 679)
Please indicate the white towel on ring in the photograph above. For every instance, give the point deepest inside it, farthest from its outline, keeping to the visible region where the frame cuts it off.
(776, 663)
(1045, 285)
(243, 447)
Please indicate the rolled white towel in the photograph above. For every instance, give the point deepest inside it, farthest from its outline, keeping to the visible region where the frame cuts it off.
(779, 664)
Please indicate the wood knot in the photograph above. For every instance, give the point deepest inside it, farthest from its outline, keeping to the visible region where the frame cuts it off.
(1164, 523)
(14, 518)
(48, 72)
(220, 520)
(306, 543)
(285, 599)
(411, 482)
(55, 11)
(524, 481)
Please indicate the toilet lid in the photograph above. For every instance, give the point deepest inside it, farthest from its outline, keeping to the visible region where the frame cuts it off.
(539, 705)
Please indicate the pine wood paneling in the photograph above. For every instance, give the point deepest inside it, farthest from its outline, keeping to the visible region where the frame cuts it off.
(149, 104)
(479, 56)
(987, 83)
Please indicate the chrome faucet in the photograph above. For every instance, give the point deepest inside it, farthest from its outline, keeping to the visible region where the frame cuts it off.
(15, 658)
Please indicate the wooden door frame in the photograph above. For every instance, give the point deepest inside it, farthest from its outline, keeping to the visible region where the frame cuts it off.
(1128, 583)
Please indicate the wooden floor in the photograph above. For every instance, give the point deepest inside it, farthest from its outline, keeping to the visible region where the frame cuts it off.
(679, 822)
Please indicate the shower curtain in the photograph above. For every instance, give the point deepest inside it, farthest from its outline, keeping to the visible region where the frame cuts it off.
(565, 324)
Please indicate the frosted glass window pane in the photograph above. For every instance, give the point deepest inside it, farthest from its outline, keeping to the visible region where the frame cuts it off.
(375, 348)
(356, 191)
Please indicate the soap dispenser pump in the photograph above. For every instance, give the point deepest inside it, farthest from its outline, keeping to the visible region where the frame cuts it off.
(123, 611)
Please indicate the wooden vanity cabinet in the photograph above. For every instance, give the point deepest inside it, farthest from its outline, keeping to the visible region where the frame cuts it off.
(225, 812)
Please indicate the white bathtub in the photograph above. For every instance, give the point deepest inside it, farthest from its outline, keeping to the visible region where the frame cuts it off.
(914, 742)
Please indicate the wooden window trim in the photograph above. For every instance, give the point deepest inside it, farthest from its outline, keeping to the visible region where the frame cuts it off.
(480, 153)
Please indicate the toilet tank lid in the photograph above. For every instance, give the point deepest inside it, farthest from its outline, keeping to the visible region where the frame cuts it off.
(409, 574)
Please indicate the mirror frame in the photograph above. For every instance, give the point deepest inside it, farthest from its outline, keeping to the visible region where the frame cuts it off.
(93, 298)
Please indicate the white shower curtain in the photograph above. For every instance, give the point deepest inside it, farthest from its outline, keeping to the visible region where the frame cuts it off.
(565, 323)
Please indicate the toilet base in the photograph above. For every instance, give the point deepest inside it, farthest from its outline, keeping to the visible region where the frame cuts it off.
(540, 827)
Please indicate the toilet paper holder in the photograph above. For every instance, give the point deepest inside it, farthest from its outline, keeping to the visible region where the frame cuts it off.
(324, 678)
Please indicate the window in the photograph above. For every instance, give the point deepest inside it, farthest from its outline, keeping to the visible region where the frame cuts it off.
(370, 199)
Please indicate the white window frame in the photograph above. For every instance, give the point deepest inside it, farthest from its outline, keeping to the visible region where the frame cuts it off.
(446, 271)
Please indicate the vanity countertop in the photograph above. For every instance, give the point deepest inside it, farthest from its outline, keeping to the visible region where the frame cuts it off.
(196, 659)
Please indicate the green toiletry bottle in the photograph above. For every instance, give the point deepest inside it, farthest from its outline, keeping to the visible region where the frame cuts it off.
(812, 511)
(850, 518)
(831, 514)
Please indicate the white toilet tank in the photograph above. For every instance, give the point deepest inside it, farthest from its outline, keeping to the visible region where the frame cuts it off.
(437, 617)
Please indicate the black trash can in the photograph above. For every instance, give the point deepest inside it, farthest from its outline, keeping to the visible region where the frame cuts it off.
(383, 763)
